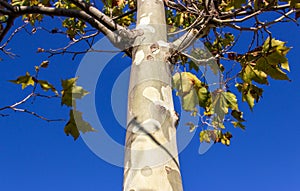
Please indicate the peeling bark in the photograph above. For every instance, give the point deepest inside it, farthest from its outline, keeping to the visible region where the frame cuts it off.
(151, 162)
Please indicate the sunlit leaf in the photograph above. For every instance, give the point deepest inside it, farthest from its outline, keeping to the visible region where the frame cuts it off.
(204, 97)
(25, 81)
(273, 71)
(45, 85)
(44, 64)
(76, 124)
(250, 93)
(71, 91)
(190, 100)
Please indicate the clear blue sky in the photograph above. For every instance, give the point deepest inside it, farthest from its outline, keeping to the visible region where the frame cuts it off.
(36, 155)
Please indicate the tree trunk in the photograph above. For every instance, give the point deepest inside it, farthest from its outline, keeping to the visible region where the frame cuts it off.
(151, 162)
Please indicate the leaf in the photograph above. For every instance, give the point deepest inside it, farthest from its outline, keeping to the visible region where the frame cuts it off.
(276, 53)
(204, 136)
(222, 101)
(273, 71)
(220, 108)
(186, 84)
(225, 139)
(238, 115)
(249, 73)
(204, 97)
(71, 91)
(231, 100)
(44, 64)
(45, 85)
(250, 93)
(190, 100)
(76, 124)
(25, 81)
(238, 124)
(191, 125)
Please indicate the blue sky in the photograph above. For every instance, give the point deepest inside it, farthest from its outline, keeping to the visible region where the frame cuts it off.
(36, 155)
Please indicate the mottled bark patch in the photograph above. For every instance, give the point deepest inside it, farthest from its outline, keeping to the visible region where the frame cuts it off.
(145, 19)
(146, 171)
(139, 57)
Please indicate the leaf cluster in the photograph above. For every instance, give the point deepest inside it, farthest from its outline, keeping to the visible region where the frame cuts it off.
(69, 94)
(221, 105)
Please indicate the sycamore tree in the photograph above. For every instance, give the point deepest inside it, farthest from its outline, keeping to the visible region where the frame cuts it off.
(160, 37)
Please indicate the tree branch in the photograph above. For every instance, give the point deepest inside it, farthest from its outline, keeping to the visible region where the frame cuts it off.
(97, 19)
(124, 33)
(14, 108)
(9, 24)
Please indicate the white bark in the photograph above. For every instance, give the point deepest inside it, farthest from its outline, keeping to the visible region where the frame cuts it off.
(151, 162)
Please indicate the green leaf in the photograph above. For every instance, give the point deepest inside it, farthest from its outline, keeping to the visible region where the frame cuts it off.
(238, 124)
(204, 136)
(249, 73)
(76, 124)
(268, 45)
(231, 100)
(219, 107)
(181, 83)
(276, 52)
(222, 101)
(25, 81)
(45, 85)
(273, 71)
(187, 84)
(250, 93)
(204, 97)
(190, 100)
(71, 91)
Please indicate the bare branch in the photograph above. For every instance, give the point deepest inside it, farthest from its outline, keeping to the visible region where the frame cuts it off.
(76, 53)
(250, 15)
(11, 36)
(14, 107)
(64, 49)
(36, 115)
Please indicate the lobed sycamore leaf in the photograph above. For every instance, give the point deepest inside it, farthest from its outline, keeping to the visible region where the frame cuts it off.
(187, 84)
(76, 124)
(250, 93)
(25, 81)
(273, 71)
(249, 73)
(71, 91)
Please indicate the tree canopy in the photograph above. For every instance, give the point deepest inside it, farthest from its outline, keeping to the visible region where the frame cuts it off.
(244, 71)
